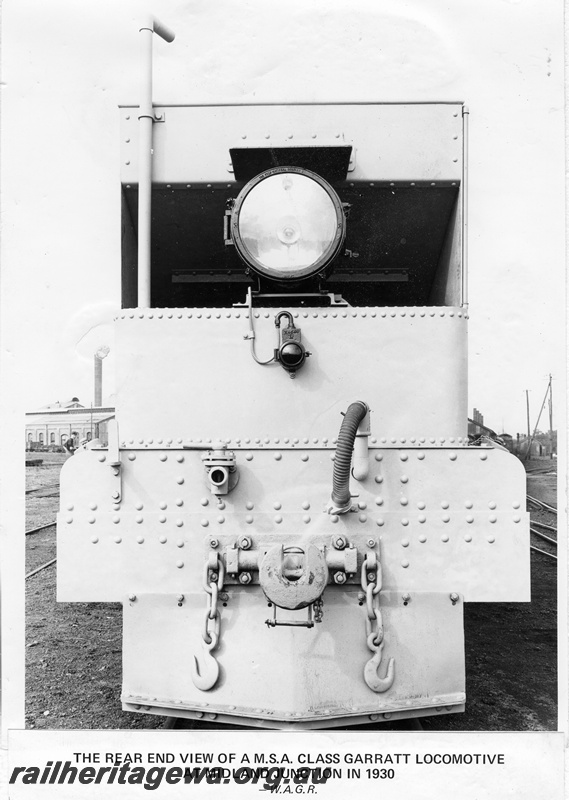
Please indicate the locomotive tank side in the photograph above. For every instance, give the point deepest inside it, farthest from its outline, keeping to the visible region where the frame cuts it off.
(307, 331)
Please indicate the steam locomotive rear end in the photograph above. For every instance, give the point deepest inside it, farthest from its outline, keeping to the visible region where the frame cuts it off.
(287, 507)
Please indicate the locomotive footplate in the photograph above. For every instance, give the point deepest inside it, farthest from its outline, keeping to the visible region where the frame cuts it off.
(294, 675)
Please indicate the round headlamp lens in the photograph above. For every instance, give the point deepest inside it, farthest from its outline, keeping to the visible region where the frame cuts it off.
(288, 223)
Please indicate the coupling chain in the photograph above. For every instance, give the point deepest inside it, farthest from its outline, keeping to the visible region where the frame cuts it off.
(213, 579)
(372, 581)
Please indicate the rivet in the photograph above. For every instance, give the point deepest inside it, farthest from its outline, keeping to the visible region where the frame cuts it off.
(249, 456)
(379, 501)
(404, 563)
(249, 505)
(403, 456)
(468, 537)
(468, 503)
(131, 456)
(380, 522)
(91, 520)
(405, 543)
(362, 506)
(445, 537)
(483, 457)
(393, 440)
(277, 506)
(305, 457)
(422, 538)
(405, 521)
(163, 539)
(163, 457)
(432, 439)
(452, 456)
(180, 458)
(404, 479)
(378, 478)
(492, 518)
(179, 564)
(420, 456)
(94, 539)
(204, 501)
(118, 539)
(162, 518)
(138, 518)
(444, 504)
(278, 456)
(492, 505)
(517, 518)
(306, 505)
(362, 517)
(140, 539)
(102, 458)
(204, 523)
(334, 518)
(404, 501)
(249, 519)
(469, 518)
(306, 518)
(278, 519)
(70, 507)
(422, 518)
(93, 506)
(421, 505)
(180, 522)
(180, 479)
(178, 501)
(163, 505)
(116, 519)
(445, 518)
(491, 539)
(515, 505)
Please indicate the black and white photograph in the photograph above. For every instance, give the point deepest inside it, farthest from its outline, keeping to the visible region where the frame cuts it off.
(282, 334)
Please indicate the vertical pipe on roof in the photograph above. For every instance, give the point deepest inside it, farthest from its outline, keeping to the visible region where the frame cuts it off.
(464, 215)
(145, 122)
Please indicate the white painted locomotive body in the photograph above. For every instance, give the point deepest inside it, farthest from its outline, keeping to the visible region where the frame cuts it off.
(215, 624)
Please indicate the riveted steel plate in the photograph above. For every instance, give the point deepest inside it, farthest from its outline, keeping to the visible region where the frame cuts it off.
(318, 671)
(448, 519)
(417, 142)
(190, 373)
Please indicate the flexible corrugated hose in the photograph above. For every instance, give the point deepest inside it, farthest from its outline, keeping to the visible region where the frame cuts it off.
(344, 450)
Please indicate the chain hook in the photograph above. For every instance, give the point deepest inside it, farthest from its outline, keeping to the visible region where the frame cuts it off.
(371, 677)
(205, 669)
(374, 638)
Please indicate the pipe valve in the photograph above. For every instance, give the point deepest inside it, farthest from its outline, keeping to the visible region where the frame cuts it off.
(221, 469)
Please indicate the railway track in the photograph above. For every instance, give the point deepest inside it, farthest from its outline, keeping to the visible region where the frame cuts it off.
(48, 487)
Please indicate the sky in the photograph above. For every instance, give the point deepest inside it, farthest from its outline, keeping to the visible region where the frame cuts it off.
(68, 64)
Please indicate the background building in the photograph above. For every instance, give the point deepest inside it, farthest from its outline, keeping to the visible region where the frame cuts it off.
(51, 426)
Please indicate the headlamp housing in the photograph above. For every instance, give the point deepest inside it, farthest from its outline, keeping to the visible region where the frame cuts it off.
(288, 224)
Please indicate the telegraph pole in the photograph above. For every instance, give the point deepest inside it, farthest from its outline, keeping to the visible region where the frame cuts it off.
(528, 455)
(550, 416)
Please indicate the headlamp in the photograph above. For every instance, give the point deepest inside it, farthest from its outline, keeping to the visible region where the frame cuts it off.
(287, 223)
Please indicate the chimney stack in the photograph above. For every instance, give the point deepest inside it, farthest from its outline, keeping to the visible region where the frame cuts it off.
(101, 353)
